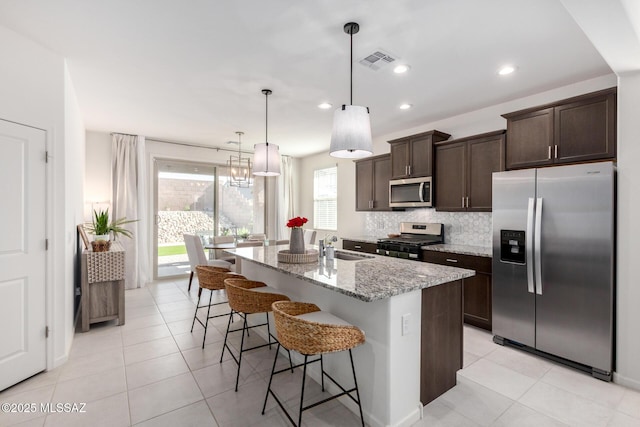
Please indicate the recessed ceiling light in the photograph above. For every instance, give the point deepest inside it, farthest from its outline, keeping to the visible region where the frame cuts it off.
(402, 68)
(324, 106)
(507, 69)
(405, 106)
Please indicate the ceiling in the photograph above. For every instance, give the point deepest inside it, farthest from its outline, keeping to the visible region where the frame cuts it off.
(193, 71)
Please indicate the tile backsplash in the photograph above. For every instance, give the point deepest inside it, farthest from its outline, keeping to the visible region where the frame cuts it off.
(460, 228)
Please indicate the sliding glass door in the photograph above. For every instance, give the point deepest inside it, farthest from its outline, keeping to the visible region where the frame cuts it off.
(199, 198)
(185, 204)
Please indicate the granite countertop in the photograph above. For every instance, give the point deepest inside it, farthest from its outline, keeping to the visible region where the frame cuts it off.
(370, 279)
(461, 249)
(364, 239)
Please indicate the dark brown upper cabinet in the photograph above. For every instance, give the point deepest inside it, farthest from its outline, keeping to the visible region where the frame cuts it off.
(463, 171)
(573, 130)
(372, 183)
(412, 156)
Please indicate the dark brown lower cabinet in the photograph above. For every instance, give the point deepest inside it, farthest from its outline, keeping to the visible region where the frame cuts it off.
(477, 289)
(352, 245)
(441, 339)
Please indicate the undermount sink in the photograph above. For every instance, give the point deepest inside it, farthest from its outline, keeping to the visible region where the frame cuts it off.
(350, 257)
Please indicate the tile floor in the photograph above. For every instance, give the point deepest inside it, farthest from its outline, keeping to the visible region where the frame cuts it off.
(153, 372)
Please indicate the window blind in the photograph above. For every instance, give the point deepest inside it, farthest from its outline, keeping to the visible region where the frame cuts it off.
(325, 199)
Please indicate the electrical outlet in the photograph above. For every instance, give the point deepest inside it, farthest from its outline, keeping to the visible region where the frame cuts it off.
(405, 324)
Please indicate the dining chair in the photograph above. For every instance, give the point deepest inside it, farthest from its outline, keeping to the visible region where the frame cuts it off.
(218, 253)
(309, 237)
(195, 252)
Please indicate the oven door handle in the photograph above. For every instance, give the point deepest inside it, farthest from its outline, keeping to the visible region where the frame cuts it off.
(421, 191)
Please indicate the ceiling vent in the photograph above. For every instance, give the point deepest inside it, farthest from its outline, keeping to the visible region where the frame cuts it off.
(377, 60)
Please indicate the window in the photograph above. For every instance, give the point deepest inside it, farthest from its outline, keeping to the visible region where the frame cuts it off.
(325, 199)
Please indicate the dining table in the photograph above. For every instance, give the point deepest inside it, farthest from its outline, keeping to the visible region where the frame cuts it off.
(213, 246)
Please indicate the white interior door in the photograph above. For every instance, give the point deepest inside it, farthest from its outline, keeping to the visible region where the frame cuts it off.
(22, 253)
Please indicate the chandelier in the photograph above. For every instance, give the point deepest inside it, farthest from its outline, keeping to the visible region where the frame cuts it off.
(239, 167)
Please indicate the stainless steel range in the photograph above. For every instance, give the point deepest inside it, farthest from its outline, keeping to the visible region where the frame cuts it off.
(413, 236)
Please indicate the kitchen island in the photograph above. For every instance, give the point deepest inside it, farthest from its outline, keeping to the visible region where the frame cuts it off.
(411, 313)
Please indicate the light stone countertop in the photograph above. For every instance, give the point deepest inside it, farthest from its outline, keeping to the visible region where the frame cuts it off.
(461, 249)
(370, 279)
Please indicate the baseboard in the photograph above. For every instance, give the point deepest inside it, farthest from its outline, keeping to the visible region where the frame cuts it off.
(59, 361)
(626, 381)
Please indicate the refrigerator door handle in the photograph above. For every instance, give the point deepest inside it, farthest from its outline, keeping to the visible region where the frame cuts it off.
(538, 246)
(529, 244)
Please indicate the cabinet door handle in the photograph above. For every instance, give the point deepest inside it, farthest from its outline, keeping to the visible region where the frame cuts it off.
(406, 170)
(409, 170)
(467, 201)
(555, 151)
(463, 201)
(549, 154)
(357, 246)
(451, 260)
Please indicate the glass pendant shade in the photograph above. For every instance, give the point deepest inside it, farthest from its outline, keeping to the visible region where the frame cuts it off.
(266, 160)
(351, 134)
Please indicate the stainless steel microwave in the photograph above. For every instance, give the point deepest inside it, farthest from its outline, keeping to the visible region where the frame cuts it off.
(410, 193)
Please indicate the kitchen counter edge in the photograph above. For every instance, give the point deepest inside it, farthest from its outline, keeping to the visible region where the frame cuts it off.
(383, 277)
(481, 251)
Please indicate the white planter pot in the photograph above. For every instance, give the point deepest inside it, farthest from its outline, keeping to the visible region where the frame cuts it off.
(101, 237)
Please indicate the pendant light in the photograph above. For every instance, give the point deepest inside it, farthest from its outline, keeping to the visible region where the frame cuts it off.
(351, 135)
(239, 167)
(266, 157)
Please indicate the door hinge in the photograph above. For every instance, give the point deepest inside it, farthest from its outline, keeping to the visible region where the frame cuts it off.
(46, 332)
(46, 244)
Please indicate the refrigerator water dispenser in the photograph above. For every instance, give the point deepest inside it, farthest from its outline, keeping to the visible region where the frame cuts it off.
(512, 246)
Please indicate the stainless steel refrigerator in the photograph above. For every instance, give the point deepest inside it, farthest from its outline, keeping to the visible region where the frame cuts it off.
(554, 263)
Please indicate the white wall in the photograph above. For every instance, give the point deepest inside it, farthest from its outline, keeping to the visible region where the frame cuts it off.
(74, 148)
(35, 90)
(97, 174)
(628, 298)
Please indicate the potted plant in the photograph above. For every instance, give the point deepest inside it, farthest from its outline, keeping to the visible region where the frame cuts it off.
(102, 227)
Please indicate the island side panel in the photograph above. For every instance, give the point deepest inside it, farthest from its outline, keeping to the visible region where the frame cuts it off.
(380, 367)
(404, 358)
(441, 339)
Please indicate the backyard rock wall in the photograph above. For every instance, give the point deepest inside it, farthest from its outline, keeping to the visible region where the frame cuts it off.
(172, 224)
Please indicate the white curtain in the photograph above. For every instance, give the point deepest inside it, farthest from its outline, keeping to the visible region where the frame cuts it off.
(129, 200)
(284, 197)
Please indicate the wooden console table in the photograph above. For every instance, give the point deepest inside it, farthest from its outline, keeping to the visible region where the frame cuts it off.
(102, 286)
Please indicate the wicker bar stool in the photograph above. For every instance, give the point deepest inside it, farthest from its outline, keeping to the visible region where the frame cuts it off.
(250, 297)
(304, 328)
(211, 278)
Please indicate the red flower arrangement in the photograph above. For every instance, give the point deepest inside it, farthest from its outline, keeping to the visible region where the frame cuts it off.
(297, 222)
